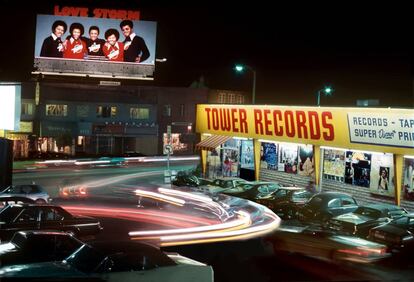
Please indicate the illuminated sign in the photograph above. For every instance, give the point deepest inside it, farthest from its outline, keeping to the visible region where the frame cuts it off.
(10, 106)
(94, 47)
(384, 130)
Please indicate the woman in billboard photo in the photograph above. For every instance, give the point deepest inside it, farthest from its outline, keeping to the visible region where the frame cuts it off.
(75, 47)
(135, 48)
(93, 43)
(53, 45)
(113, 49)
(383, 180)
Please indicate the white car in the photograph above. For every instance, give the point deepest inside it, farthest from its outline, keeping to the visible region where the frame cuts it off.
(116, 261)
(32, 191)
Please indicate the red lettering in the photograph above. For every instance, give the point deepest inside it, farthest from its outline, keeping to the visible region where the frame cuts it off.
(267, 122)
(133, 15)
(301, 124)
(258, 126)
(330, 134)
(277, 116)
(314, 129)
(83, 12)
(122, 14)
(97, 13)
(289, 124)
(225, 119)
(56, 11)
(215, 119)
(112, 14)
(208, 117)
(243, 122)
(234, 119)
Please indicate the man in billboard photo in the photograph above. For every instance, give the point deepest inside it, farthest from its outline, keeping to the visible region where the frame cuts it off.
(75, 47)
(53, 45)
(113, 49)
(135, 48)
(93, 43)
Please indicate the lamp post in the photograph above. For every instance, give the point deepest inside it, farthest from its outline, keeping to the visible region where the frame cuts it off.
(327, 90)
(240, 68)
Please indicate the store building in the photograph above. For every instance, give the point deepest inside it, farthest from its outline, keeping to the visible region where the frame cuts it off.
(367, 152)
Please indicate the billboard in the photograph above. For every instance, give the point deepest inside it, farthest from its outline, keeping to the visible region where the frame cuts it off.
(10, 106)
(94, 47)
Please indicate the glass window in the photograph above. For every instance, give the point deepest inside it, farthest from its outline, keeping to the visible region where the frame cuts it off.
(56, 110)
(139, 113)
(82, 110)
(28, 215)
(51, 214)
(106, 111)
(27, 108)
(167, 110)
(348, 202)
(334, 203)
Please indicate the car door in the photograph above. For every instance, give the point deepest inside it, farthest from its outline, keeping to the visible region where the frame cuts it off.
(28, 219)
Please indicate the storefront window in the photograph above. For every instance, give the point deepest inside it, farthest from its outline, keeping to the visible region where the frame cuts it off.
(306, 161)
(382, 175)
(139, 113)
(359, 165)
(175, 142)
(230, 158)
(106, 111)
(82, 111)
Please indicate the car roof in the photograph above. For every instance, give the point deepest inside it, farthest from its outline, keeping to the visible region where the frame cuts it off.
(382, 206)
(16, 198)
(331, 195)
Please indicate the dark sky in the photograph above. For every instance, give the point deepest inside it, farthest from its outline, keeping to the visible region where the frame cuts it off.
(364, 51)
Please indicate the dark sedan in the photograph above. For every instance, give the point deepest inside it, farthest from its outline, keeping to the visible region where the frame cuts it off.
(253, 190)
(38, 246)
(364, 218)
(19, 217)
(397, 234)
(285, 201)
(325, 205)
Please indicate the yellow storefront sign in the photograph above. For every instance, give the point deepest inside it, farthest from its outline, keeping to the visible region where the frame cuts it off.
(371, 129)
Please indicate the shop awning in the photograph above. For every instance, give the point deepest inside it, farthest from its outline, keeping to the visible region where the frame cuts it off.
(212, 142)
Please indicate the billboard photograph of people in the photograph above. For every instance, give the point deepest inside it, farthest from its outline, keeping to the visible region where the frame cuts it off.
(83, 45)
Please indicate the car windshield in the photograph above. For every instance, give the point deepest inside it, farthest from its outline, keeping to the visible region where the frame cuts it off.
(85, 259)
(369, 212)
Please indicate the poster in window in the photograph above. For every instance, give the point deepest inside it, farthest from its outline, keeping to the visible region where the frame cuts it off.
(334, 164)
(361, 167)
(408, 185)
(382, 175)
(247, 156)
(268, 156)
(289, 158)
(306, 163)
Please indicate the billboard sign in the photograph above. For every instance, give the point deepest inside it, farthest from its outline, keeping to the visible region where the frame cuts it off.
(95, 47)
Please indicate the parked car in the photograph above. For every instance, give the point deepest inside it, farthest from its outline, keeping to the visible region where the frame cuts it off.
(190, 180)
(285, 201)
(6, 200)
(397, 234)
(252, 190)
(117, 261)
(325, 205)
(38, 246)
(325, 244)
(364, 218)
(44, 217)
(33, 191)
(219, 185)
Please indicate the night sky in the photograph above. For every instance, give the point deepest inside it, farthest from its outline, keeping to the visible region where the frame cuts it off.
(363, 51)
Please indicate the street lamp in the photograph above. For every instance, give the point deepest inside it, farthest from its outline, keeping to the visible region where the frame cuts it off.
(327, 90)
(240, 68)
